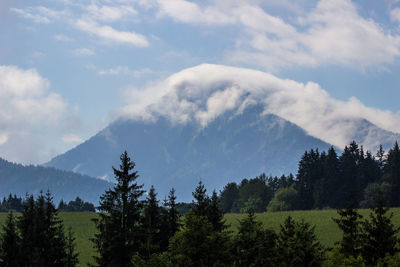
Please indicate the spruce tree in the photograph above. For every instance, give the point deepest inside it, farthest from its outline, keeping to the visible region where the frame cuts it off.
(10, 242)
(215, 214)
(349, 223)
(298, 245)
(172, 214)
(202, 201)
(71, 259)
(151, 224)
(379, 234)
(253, 246)
(392, 174)
(119, 236)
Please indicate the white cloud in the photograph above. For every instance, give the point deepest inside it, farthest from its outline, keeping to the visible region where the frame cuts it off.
(62, 37)
(395, 15)
(110, 34)
(28, 15)
(125, 70)
(331, 33)
(72, 138)
(83, 52)
(27, 111)
(110, 13)
(204, 92)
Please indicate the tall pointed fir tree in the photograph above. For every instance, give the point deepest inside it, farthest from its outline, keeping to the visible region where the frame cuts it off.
(215, 214)
(10, 244)
(151, 224)
(392, 174)
(172, 214)
(202, 201)
(379, 236)
(349, 223)
(119, 236)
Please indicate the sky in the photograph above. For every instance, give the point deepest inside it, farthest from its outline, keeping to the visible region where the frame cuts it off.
(69, 68)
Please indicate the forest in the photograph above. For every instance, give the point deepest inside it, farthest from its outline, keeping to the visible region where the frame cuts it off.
(135, 229)
(323, 180)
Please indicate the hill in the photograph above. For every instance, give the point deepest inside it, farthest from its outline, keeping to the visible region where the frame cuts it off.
(19, 179)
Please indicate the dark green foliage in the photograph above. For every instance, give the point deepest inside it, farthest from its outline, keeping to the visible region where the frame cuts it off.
(12, 203)
(284, 199)
(76, 205)
(119, 236)
(372, 191)
(379, 234)
(254, 246)
(257, 190)
(173, 214)
(202, 201)
(228, 196)
(298, 245)
(349, 223)
(310, 170)
(10, 243)
(151, 224)
(335, 258)
(197, 244)
(215, 214)
(392, 174)
(72, 256)
(183, 207)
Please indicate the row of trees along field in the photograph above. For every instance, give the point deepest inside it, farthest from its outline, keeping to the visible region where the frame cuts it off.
(14, 203)
(323, 180)
(132, 231)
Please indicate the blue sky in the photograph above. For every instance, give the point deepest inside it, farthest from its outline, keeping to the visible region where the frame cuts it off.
(68, 67)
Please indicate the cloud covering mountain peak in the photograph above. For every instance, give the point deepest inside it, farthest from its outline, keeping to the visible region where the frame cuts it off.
(206, 91)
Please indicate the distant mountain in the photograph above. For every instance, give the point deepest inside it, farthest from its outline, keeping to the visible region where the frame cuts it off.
(18, 179)
(230, 148)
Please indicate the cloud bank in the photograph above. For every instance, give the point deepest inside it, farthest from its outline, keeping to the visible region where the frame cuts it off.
(204, 92)
(28, 112)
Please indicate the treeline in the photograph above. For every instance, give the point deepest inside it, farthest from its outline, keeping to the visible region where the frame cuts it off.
(37, 237)
(14, 203)
(323, 180)
(137, 231)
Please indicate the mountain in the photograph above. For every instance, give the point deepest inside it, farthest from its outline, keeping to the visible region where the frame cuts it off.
(18, 179)
(231, 147)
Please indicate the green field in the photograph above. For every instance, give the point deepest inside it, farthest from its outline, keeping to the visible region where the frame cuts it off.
(325, 228)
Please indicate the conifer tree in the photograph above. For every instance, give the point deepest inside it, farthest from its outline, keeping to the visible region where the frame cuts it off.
(379, 234)
(151, 224)
(71, 259)
(253, 246)
(392, 174)
(119, 236)
(215, 214)
(172, 214)
(349, 223)
(298, 245)
(10, 242)
(202, 201)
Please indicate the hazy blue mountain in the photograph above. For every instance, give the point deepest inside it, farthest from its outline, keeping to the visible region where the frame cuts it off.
(230, 148)
(18, 179)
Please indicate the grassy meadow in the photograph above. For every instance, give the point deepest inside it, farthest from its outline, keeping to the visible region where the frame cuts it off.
(326, 230)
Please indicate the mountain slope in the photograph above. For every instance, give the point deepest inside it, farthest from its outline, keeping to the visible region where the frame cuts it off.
(18, 179)
(167, 155)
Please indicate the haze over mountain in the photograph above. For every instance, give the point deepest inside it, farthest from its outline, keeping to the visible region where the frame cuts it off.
(20, 180)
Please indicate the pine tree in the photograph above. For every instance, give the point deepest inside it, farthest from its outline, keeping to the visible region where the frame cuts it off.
(151, 224)
(298, 245)
(10, 242)
(215, 214)
(349, 223)
(392, 174)
(119, 236)
(172, 213)
(379, 234)
(202, 201)
(71, 259)
(253, 246)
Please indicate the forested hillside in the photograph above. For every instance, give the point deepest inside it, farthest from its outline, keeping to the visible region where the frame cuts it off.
(19, 179)
(324, 179)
